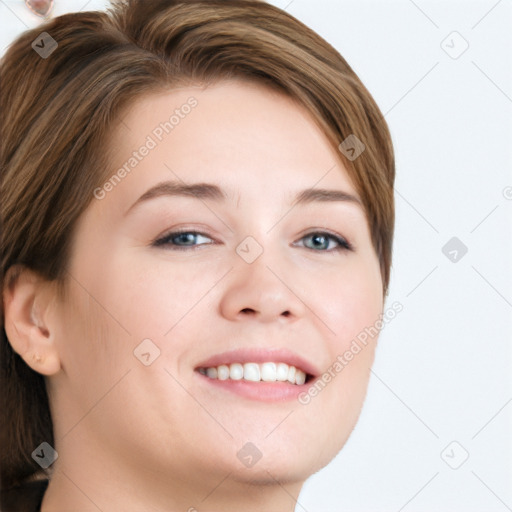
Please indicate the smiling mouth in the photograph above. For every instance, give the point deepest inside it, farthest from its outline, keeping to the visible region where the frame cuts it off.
(257, 372)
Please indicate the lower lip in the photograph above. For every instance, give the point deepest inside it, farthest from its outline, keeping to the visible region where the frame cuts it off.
(262, 391)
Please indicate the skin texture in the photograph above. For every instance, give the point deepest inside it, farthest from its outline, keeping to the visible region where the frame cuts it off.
(134, 437)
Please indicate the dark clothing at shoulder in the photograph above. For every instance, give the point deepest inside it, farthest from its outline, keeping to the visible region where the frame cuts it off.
(26, 498)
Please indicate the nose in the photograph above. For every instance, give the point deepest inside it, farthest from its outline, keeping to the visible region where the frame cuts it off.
(263, 291)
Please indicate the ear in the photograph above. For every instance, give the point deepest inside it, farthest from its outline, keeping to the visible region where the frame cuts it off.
(28, 301)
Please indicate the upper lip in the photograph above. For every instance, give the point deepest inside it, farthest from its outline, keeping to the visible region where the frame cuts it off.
(261, 355)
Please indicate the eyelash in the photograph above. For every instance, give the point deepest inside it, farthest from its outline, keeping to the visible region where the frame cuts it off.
(343, 244)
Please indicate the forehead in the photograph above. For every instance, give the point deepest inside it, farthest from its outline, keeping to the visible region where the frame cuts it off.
(249, 139)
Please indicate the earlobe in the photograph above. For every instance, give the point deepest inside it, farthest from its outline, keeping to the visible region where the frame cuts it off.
(28, 299)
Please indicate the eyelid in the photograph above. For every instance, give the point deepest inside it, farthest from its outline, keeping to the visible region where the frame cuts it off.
(343, 242)
(162, 241)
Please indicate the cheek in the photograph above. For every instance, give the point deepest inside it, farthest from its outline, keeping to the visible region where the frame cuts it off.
(90, 347)
(83, 330)
(348, 301)
(157, 295)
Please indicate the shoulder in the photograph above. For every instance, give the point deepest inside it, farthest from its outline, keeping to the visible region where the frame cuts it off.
(26, 498)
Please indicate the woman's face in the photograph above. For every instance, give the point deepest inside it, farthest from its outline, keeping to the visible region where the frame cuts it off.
(254, 277)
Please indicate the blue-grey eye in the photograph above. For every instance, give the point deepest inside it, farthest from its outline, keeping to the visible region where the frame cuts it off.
(326, 242)
(317, 241)
(181, 239)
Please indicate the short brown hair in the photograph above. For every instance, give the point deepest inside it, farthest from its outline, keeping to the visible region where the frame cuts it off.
(58, 110)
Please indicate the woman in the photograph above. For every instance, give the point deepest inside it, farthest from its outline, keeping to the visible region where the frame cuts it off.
(197, 227)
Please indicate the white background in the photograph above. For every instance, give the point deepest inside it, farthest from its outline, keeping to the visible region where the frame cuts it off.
(444, 364)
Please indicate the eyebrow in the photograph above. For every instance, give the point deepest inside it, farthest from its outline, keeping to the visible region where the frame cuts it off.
(215, 193)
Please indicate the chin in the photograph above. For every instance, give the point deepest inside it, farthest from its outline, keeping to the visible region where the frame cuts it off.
(286, 463)
(291, 472)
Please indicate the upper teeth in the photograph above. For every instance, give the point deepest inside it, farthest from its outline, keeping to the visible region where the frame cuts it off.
(268, 372)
